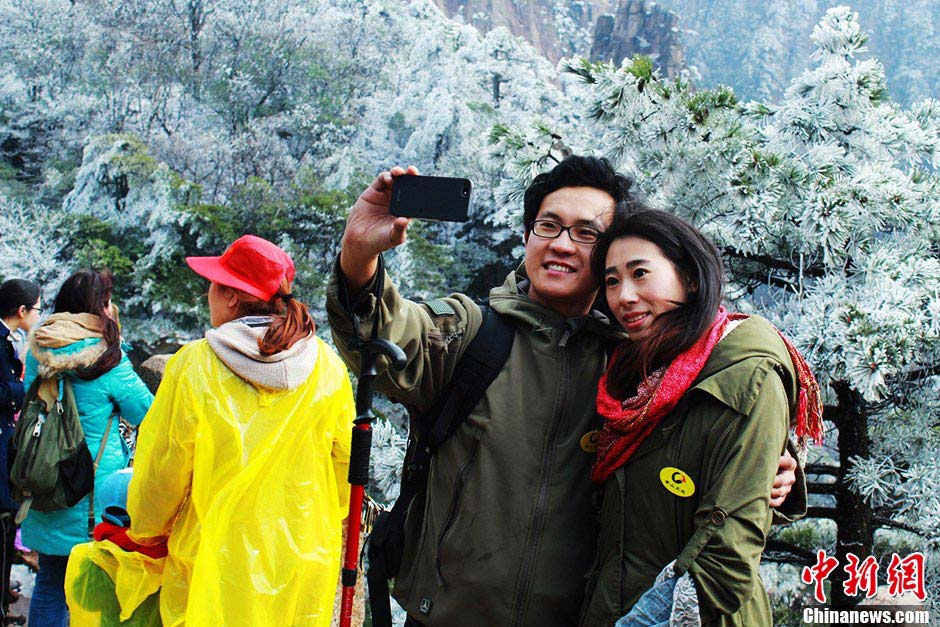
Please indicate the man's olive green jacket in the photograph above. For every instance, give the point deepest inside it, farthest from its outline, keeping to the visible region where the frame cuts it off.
(508, 529)
(726, 435)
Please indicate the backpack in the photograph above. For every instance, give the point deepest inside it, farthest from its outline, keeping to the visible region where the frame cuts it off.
(473, 374)
(52, 467)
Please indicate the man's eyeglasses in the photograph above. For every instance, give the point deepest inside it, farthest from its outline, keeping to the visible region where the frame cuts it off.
(39, 309)
(549, 229)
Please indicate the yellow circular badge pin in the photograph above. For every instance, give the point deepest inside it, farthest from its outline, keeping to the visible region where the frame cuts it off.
(589, 441)
(677, 481)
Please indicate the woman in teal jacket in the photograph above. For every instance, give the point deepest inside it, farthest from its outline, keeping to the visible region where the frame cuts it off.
(80, 340)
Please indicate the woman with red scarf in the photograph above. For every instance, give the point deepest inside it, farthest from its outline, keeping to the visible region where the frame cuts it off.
(697, 407)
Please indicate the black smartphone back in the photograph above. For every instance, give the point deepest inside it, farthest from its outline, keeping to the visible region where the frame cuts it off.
(431, 197)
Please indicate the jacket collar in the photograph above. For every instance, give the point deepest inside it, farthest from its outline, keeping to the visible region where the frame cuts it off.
(66, 343)
(512, 299)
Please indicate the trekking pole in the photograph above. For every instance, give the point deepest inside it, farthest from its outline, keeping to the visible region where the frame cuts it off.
(359, 460)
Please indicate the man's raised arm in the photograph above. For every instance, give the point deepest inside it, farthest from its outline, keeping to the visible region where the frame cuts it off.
(433, 335)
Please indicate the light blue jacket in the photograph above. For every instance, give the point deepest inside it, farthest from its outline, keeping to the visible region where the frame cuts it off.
(120, 390)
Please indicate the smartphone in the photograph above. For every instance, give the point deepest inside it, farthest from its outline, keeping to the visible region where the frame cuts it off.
(431, 197)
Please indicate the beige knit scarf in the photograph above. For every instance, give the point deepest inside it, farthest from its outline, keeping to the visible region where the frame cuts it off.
(57, 331)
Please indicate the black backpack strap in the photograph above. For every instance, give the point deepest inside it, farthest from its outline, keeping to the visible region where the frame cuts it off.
(476, 370)
(478, 367)
(91, 495)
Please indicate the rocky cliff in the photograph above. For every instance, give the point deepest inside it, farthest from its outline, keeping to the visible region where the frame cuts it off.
(639, 27)
(556, 28)
(609, 30)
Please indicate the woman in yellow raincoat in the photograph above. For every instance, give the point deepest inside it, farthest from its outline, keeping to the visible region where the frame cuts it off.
(242, 461)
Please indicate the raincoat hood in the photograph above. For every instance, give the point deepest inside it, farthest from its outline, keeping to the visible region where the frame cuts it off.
(236, 344)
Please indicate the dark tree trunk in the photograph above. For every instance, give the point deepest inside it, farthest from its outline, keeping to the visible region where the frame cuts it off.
(855, 529)
(196, 13)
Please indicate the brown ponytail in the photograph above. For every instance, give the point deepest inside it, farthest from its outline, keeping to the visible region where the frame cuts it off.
(295, 325)
(291, 322)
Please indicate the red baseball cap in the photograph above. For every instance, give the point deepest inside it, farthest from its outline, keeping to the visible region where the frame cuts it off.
(251, 264)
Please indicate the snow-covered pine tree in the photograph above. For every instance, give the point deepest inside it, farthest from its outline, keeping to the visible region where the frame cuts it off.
(31, 245)
(270, 116)
(825, 207)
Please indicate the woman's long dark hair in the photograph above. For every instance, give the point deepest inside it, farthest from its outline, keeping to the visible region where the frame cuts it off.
(88, 291)
(16, 293)
(698, 264)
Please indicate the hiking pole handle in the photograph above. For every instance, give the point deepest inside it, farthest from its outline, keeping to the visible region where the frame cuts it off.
(392, 351)
(361, 444)
(371, 350)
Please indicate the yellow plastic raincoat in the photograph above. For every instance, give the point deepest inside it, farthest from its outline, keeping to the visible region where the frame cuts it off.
(249, 484)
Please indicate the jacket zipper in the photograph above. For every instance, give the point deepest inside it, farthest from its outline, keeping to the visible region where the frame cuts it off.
(674, 462)
(452, 513)
(68, 436)
(530, 552)
(30, 452)
(40, 421)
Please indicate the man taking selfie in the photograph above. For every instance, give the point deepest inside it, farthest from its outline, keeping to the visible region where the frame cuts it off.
(505, 532)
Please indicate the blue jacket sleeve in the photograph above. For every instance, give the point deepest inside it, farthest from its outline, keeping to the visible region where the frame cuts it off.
(128, 392)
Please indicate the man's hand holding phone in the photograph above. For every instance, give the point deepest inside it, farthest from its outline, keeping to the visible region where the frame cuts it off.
(371, 229)
(380, 217)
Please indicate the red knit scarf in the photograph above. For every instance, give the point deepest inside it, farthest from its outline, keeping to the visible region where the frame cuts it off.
(627, 423)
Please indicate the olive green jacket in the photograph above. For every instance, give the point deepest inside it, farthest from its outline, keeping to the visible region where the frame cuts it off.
(727, 435)
(508, 529)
